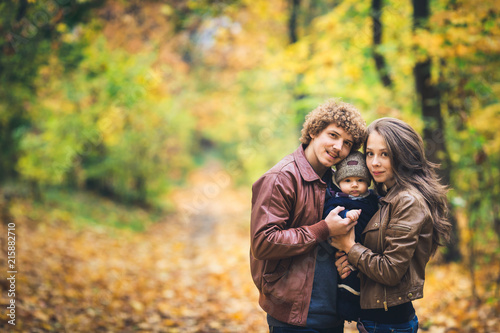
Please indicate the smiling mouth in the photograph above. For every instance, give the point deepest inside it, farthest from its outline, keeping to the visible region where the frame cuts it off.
(334, 156)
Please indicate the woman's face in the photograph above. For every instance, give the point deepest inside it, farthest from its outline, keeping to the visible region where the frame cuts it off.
(378, 160)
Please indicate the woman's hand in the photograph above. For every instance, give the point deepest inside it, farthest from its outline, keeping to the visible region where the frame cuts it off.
(343, 242)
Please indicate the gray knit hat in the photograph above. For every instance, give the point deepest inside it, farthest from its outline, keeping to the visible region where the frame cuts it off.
(353, 165)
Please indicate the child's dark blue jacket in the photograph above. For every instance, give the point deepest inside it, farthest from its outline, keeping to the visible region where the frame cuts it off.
(368, 206)
(348, 292)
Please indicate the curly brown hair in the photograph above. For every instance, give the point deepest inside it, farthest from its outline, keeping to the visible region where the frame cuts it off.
(343, 114)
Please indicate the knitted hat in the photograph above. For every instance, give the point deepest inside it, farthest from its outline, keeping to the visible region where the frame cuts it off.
(353, 165)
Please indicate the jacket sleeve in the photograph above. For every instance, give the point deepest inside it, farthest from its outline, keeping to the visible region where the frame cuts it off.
(401, 238)
(273, 201)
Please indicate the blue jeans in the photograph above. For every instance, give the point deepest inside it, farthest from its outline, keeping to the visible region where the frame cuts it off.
(276, 329)
(374, 327)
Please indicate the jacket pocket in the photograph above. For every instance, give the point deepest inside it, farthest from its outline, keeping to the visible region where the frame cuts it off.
(399, 227)
(272, 279)
(275, 272)
(398, 230)
(372, 237)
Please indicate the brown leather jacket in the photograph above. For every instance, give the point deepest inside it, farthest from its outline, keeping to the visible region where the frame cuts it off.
(286, 227)
(397, 246)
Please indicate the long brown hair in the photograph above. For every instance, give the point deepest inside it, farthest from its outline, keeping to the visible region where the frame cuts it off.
(412, 170)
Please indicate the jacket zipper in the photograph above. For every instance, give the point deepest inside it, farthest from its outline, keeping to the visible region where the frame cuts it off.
(381, 249)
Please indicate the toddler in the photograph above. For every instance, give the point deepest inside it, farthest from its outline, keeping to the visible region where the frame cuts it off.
(353, 179)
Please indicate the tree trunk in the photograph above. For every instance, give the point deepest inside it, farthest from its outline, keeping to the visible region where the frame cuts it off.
(21, 10)
(141, 190)
(377, 40)
(292, 21)
(293, 37)
(434, 138)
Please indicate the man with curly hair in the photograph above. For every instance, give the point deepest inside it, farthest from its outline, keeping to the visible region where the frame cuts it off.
(291, 261)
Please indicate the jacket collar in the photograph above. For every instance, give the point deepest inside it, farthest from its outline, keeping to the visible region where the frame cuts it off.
(306, 170)
(391, 195)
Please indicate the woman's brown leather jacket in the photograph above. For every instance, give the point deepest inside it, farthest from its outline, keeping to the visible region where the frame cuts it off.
(397, 246)
(286, 227)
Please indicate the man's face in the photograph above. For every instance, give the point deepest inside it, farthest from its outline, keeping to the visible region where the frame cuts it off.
(354, 186)
(328, 148)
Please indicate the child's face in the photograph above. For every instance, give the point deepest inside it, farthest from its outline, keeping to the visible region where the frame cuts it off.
(354, 186)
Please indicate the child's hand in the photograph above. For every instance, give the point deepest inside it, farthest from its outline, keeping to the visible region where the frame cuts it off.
(353, 214)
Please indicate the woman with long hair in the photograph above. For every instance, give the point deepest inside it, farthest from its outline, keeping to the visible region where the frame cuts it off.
(402, 236)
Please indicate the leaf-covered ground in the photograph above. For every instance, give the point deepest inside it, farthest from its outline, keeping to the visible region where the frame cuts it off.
(187, 273)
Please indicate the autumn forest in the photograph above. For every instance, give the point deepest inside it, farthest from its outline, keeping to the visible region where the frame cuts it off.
(131, 133)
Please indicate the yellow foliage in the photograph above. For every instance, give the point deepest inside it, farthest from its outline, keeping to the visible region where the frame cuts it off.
(111, 125)
(433, 43)
(463, 30)
(62, 28)
(353, 71)
(487, 122)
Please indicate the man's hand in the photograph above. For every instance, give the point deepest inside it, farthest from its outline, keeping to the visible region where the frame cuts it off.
(343, 266)
(338, 225)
